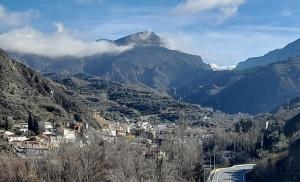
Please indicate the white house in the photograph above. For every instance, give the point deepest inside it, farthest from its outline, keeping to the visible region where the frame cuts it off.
(16, 138)
(69, 135)
(160, 128)
(49, 127)
(7, 134)
(24, 127)
(55, 141)
(113, 132)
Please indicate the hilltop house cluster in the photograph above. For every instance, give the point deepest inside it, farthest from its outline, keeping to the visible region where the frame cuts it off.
(137, 133)
(140, 133)
(145, 134)
(23, 142)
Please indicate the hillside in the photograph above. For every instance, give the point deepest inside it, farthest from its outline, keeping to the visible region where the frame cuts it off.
(147, 62)
(120, 102)
(280, 161)
(155, 66)
(70, 98)
(251, 91)
(284, 169)
(291, 50)
(23, 91)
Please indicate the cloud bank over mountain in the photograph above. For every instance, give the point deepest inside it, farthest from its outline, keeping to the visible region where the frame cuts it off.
(192, 26)
(58, 44)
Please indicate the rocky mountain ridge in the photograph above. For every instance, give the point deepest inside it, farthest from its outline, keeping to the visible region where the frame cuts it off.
(251, 91)
(24, 91)
(291, 50)
(147, 62)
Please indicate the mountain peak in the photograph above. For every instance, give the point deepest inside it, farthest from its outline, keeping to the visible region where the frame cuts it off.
(144, 38)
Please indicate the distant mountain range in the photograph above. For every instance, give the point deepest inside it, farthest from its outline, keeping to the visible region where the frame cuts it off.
(61, 98)
(148, 62)
(254, 90)
(255, 86)
(291, 50)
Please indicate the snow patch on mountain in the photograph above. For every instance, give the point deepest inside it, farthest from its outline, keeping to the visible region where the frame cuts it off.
(216, 67)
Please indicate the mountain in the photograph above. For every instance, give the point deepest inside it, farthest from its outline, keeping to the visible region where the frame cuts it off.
(253, 91)
(147, 62)
(291, 50)
(155, 66)
(144, 38)
(44, 64)
(120, 102)
(62, 98)
(24, 91)
(141, 39)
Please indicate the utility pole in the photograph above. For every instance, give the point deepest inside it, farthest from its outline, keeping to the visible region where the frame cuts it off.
(204, 173)
(209, 163)
(199, 172)
(175, 91)
(214, 158)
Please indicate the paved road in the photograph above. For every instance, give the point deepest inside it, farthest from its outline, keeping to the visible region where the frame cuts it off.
(232, 174)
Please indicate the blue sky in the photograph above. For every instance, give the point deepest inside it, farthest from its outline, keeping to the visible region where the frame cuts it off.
(221, 31)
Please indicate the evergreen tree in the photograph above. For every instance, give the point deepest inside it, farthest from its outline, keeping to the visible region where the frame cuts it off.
(36, 126)
(30, 123)
(8, 123)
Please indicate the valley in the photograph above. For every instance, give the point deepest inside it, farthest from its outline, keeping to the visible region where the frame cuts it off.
(148, 113)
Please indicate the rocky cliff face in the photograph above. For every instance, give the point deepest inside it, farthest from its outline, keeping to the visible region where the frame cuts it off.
(155, 66)
(145, 38)
(24, 91)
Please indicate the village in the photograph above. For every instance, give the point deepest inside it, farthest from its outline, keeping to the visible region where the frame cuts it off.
(25, 141)
(138, 133)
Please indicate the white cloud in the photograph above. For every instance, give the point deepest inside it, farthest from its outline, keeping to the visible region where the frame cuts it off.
(289, 12)
(60, 28)
(111, 30)
(28, 40)
(16, 18)
(228, 8)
